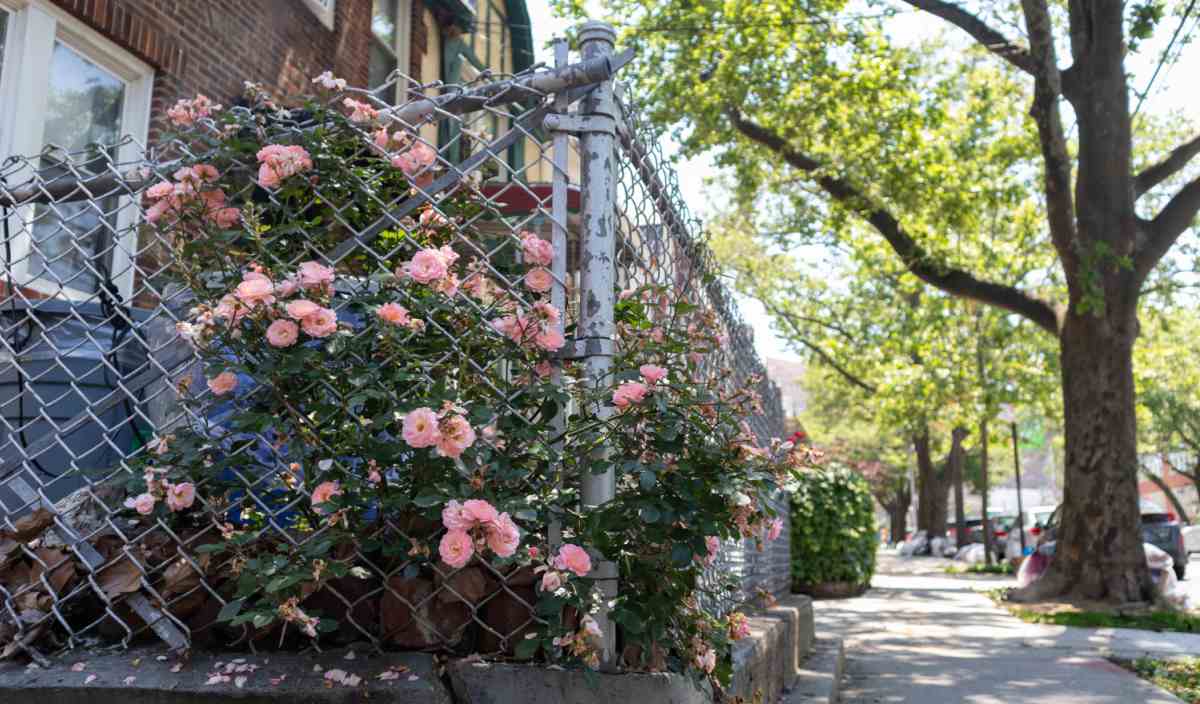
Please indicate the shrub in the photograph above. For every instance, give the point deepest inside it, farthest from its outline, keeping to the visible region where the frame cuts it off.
(833, 528)
(372, 448)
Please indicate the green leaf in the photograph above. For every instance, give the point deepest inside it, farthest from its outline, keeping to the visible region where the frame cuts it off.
(527, 648)
(229, 610)
(681, 554)
(647, 480)
(427, 500)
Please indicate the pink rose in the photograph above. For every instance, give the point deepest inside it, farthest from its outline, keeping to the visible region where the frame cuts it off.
(416, 158)
(226, 218)
(325, 491)
(546, 313)
(360, 111)
(543, 369)
(550, 340)
(329, 82)
(456, 436)
(282, 333)
(533, 552)
(453, 518)
(301, 308)
(739, 626)
(180, 496)
(322, 323)
(713, 544)
(504, 537)
(162, 189)
(315, 275)
(706, 660)
(426, 266)
(456, 548)
(652, 373)
(536, 250)
(143, 504)
(421, 428)
(630, 392)
(479, 512)
(279, 162)
(254, 290)
(223, 383)
(551, 581)
(774, 528)
(539, 279)
(573, 558)
(393, 313)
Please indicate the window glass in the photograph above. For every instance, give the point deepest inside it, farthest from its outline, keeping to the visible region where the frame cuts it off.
(383, 22)
(383, 59)
(73, 241)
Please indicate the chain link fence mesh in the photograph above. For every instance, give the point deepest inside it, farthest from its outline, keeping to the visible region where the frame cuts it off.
(93, 366)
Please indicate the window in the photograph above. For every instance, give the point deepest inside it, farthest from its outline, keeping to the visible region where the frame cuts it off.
(390, 31)
(323, 9)
(79, 96)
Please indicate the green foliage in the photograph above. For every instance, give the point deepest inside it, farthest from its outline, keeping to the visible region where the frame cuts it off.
(1160, 621)
(1180, 677)
(833, 528)
(997, 568)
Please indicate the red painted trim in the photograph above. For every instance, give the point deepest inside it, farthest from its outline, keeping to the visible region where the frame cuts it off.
(526, 197)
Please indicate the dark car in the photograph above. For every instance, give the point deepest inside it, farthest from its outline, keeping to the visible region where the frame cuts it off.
(1159, 528)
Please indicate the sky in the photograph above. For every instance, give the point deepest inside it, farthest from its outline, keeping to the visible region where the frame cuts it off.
(1176, 89)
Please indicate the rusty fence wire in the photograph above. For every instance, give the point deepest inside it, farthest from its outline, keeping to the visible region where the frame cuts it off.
(91, 360)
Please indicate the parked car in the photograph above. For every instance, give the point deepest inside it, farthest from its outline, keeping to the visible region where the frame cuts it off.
(1191, 538)
(1035, 519)
(1001, 525)
(1159, 528)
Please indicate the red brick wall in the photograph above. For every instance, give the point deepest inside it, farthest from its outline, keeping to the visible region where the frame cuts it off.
(213, 46)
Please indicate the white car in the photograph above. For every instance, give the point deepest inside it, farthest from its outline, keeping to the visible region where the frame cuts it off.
(1191, 538)
(1035, 519)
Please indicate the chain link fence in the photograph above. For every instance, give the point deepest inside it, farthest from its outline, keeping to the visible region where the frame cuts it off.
(93, 365)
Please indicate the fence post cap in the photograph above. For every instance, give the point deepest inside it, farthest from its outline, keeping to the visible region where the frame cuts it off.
(596, 30)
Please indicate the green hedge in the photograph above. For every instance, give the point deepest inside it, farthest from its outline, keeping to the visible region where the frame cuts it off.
(833, 529)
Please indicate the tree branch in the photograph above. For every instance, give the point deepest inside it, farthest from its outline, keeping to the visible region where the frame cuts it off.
(1166, 227)
(1153, 175)
(951, 280)
(991, 39)
(816, 349)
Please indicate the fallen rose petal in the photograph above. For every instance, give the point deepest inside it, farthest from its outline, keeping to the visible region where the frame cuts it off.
(89, 679)
(240, 681)
(177, 667)
(78, 667)
(128, 680)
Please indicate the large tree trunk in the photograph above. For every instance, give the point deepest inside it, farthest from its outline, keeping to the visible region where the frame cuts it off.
(1099, 553)
(934, 490)
(955, 469)
(983, 465)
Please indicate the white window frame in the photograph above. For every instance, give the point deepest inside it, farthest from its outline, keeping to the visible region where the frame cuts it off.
(33, 28)
(402, 47)
(324, 10)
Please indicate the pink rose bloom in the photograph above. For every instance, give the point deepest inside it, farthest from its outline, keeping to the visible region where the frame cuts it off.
(325, 491)
(479, 512)
(453, 518)
(282, 333)
(254, 290)
(315, 275)
(421, 428)
(652, 373)
(551, 581)
(456, 548)
(706, 660)
(180, 496)
(713, 544)
(539, 280)
(536, 250)
(432, 218)
(414, 159)
(279, 162)
(393, 313)
(550, 340)
(322, 323)
(629, 393)
(546, 312)
(426, 267)
(160, 190)
(381, 138)
(543, 369)
(360, 111)
(329, 82)
(456, 436)
(226, 218)
(143, 504)
(657, 335)
(574, 559)
(223, 383)
(287, 287)
(504, 537)
(590, 627)
(533, 552)
(774, 528)
(508, 326)
(301, 308)
(229, 308)
(739, 626)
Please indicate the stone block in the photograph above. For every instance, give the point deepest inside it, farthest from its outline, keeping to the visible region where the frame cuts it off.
(504, 683)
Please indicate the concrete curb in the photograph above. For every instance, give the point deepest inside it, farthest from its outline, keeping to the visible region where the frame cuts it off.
(767, 662)
(820, 680)
(139, 677)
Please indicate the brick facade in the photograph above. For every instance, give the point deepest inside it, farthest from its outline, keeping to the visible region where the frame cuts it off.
(212, 46)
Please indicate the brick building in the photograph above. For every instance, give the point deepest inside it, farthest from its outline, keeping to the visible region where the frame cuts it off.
(78, 73)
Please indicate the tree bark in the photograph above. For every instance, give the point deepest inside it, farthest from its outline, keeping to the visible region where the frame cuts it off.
(983, 466)
(954, 472)
(1099, 552)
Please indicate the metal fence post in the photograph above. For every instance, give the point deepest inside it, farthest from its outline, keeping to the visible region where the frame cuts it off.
(558, 236)
(598, 269)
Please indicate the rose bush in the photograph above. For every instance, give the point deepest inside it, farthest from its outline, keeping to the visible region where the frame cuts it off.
(381, 425)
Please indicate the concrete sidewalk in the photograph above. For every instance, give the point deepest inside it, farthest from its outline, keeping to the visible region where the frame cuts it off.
(920, 635)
